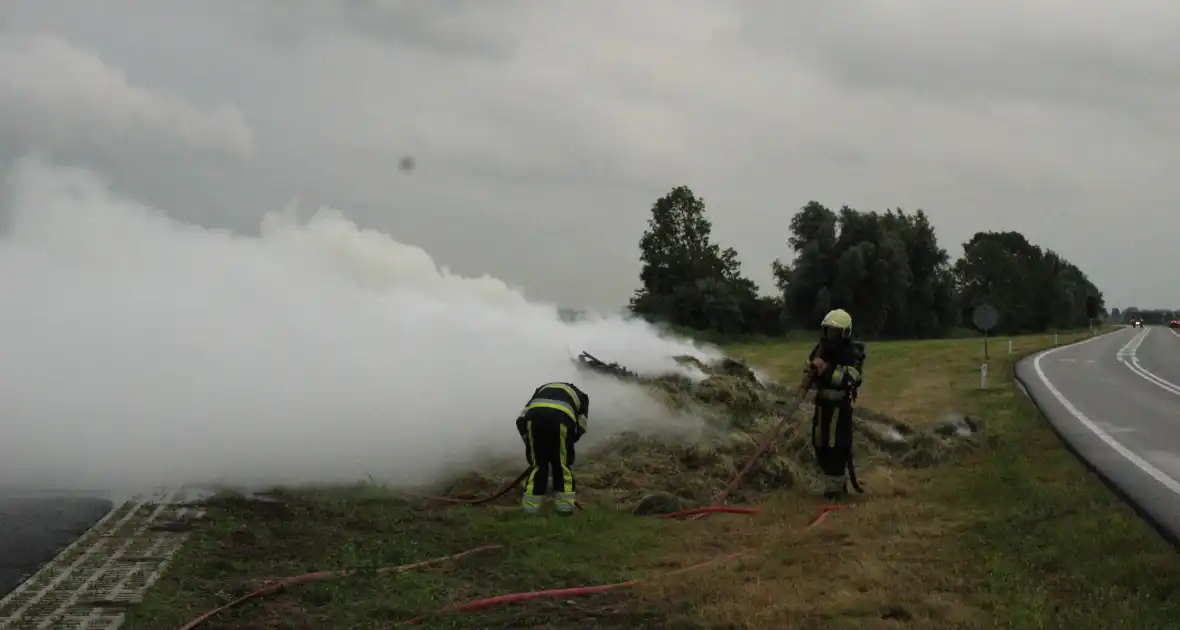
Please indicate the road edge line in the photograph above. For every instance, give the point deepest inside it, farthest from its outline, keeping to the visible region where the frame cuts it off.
(1165, 532)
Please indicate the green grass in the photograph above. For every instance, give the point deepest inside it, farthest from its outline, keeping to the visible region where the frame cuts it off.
(1016, 534)
(1048, 544)
(366, 527)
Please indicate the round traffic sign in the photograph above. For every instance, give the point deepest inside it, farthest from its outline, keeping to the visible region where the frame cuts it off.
(985, 317)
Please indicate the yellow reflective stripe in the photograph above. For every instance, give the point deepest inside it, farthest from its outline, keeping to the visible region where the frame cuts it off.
(569, 390)
(564, 499)
(552, 404)
(528, 484)
(567, 475)
(841, 371)
(832, 431)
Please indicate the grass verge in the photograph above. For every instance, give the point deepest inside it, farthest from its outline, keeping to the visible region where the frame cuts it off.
(249, 542)
(1015, 534)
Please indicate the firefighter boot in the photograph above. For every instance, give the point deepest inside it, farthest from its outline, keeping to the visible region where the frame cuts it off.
(564, 503)
(531, 503)
(835, 487)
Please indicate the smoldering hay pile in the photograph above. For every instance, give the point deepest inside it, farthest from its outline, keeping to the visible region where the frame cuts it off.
(653, 474)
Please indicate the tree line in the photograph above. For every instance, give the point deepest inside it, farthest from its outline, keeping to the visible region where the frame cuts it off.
(1149, 316)
(886, 268)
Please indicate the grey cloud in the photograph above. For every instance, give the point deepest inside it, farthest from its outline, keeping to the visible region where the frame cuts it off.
(531, 121)
(1076, 54)
(447, 27)
(61, 94)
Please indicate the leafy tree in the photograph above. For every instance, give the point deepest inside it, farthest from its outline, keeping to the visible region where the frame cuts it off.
(930, 298)
(687, 279)
(765, 316)
(996, 268)
(886, 268)
(1033, 289)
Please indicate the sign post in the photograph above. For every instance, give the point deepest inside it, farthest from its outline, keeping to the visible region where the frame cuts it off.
(1092, 311)
(985, 318)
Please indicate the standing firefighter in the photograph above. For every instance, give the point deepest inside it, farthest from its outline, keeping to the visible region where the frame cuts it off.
(834, 369)
(550, 424)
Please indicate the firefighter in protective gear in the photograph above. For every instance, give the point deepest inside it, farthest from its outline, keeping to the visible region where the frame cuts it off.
(834, 369)
(550, 424)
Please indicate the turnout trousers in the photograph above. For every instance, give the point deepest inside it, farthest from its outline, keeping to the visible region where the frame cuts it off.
(831, 437)
(548, 436)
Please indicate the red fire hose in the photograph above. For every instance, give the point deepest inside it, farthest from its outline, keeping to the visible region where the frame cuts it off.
(511, 598)
(499, 600)
(323, 575)
(488, 602)
(505, 489)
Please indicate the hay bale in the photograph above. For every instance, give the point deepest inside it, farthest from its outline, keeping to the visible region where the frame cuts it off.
(774, 472)
(474, 484)
(662, 503)
(884, 419)
(703, 456)
(926, 449)
(736, 369)
(956, 424)
(664, 475)
(688, 359)
(883, 436)
(740, 401)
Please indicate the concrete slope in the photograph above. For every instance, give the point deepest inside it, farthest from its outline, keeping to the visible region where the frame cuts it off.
(91, 582)
(1115, 400)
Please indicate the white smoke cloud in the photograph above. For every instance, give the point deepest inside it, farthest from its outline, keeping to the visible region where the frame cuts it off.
(137, 350)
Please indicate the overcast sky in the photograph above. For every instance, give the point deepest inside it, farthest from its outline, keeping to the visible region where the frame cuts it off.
(543, 130)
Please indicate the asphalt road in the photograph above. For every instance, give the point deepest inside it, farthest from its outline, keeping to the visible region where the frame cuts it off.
(1116, 400)
(34, 527)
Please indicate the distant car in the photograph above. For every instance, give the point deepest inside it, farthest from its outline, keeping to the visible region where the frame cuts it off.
(1136, 323)
(1175, 323)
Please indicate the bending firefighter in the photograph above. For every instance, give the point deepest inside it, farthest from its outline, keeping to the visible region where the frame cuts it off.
(550, 424)
(834, 369)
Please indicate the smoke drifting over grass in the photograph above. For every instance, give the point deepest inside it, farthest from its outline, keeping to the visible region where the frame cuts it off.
(137, 351)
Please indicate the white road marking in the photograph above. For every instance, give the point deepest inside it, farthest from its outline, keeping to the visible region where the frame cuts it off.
(1127, 356)
(1114, 429)
(1165, 460)
(1139, 462)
